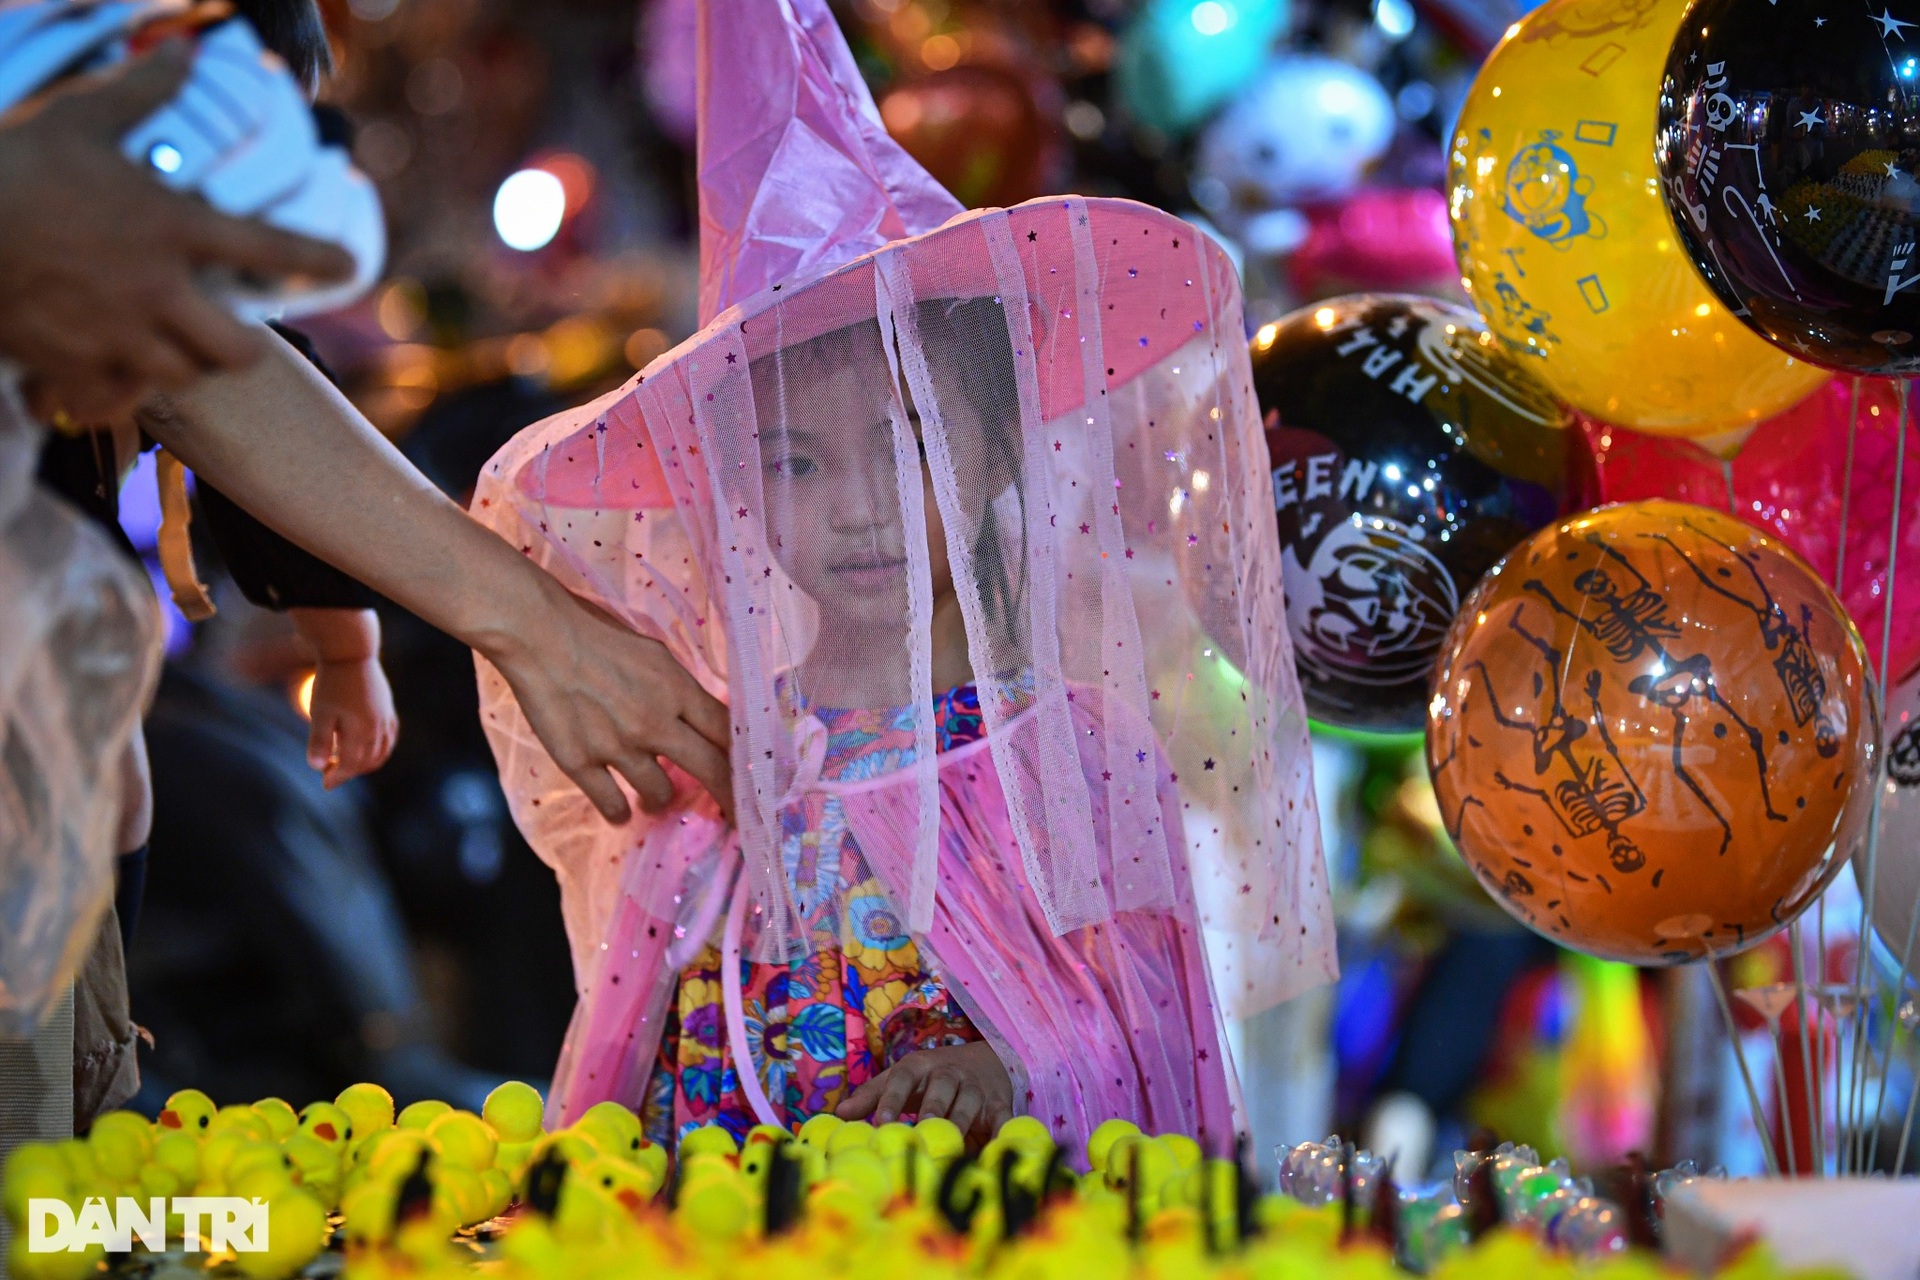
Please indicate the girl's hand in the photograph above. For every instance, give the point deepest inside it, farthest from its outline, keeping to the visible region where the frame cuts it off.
(605, 700)
(351, 709)
(966, 1083)
(354, 725)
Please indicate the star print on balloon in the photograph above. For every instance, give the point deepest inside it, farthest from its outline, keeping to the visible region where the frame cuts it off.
(1787, 157)
(1653, 733)
(1890, 25)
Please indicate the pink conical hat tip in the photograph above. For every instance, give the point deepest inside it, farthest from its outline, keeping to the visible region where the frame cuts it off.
(797, 174)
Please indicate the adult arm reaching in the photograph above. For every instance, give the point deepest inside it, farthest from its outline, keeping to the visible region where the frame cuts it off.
(280, 440)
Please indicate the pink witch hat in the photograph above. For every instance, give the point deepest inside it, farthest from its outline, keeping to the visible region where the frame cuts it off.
(1131, 850)
(796, 171)
(798, 175)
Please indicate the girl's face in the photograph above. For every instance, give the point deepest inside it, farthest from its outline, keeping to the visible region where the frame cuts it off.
(834, 498)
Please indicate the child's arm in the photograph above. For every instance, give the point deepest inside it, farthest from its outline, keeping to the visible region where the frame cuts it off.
(278, 439)
(354, 725)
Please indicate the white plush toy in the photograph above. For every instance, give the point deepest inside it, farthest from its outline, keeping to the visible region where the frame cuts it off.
(239, 134)
(1304, 133)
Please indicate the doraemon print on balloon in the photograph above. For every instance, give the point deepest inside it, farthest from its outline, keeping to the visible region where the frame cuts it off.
(1547, 193)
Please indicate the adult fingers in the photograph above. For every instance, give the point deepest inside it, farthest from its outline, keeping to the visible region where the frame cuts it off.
(894, 1099)
(96, 393)
(320, 738)
(708, 716)
(160, 364)
(709, 765)
(388, 735)
(257, 248)
(358, 743)
(648, 780)
(600, 788)
(104, 106)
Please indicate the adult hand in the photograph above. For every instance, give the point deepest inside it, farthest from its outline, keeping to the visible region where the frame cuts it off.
(99, 300)
(968, 1084)
(604, 699)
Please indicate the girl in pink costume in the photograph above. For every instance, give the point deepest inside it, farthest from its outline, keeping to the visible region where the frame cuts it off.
(965, 516)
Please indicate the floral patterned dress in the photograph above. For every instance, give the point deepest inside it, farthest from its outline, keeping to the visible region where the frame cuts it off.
(862, 999)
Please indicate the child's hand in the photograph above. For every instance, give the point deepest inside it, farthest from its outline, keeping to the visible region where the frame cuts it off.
(354, 725)
(967, 1084)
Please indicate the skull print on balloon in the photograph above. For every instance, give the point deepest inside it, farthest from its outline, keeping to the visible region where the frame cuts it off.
(1408, 455)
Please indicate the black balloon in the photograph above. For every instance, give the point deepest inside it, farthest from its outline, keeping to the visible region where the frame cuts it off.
(1789, 152)
(1408, 456)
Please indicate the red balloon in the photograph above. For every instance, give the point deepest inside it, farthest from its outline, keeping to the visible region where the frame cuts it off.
(1791, 479)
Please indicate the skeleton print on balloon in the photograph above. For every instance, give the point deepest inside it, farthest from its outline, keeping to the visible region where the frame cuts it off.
(1646, 733)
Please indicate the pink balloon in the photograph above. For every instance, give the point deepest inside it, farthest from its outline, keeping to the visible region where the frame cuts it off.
(1379, 239)
(669, 56)
(1791, 479)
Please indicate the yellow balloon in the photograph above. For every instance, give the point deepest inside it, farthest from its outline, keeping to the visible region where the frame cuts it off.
(1564, 240)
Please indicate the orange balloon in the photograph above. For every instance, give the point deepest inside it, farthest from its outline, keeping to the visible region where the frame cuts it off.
(1649, 732)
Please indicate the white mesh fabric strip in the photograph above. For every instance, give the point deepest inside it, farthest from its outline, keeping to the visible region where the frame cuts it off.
(733, 471)
(1046, 789)
(889, 303)
(1133, 812)
(1278, 941)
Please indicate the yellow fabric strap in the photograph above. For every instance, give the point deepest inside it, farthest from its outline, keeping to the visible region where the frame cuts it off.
(176, 545)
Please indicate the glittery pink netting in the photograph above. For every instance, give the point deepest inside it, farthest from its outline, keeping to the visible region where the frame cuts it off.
(1050, 405)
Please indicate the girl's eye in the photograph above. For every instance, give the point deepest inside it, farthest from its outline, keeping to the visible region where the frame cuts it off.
(796, 467)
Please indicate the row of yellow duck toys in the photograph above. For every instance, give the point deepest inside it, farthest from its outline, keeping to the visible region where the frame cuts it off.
(424, 1192)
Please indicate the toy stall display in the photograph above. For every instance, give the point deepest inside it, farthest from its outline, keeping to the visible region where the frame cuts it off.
(349, 1188)
(1582, 386)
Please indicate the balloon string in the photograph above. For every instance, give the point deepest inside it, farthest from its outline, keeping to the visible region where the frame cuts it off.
(1740, 1057)
(1844, 1062)
(1780, 1099)
(1816, 1128)
(1820, 955)
(1899, 1030)
(1906, 1129)
(1846, 488)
